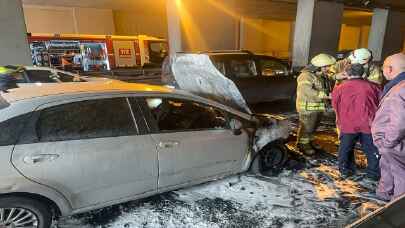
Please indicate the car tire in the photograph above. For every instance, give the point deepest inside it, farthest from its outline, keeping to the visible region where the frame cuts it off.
(35, 211)
(272, 158)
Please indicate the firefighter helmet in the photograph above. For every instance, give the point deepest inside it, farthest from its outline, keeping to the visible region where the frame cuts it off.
(360, 56)
(322, 60)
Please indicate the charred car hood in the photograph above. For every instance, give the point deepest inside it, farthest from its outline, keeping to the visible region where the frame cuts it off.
(196, 73)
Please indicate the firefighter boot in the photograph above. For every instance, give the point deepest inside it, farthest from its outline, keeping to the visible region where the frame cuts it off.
(306, 149)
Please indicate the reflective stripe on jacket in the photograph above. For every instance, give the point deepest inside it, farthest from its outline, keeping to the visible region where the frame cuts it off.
(310, 89)
(312, 106)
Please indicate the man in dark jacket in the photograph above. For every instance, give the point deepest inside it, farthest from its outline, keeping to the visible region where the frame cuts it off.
(355, 102)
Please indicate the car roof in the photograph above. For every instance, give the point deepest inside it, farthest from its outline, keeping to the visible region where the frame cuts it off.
(38, 68)
(28, 67)
(219, 52)
(14, 67)
(239, 54)
(52, 89)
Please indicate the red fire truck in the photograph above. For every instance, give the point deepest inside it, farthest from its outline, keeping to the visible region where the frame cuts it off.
(96, 52)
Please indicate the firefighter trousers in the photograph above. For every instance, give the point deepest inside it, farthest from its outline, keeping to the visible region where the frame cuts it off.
(308, 123)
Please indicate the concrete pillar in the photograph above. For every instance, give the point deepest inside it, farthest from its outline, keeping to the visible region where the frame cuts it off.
(386, 34)
(174, 26)
(202, 25)
(317, 29)
(242, 30)
(14, 47)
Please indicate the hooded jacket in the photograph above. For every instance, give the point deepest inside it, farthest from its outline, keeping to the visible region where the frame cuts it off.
(355, 102)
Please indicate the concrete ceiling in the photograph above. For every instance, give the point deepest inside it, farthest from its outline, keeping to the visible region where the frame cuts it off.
(264, 9)
(132, 4)
(102, 4)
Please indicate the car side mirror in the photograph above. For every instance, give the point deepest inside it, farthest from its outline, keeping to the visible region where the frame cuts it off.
(236, 126)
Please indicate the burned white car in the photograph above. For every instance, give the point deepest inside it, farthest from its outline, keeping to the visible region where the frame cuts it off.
(74, 147)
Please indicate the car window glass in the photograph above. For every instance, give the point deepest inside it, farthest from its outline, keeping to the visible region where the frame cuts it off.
(243, 68)
(19, 77)
(272, 67)
(220, 66)
(182, 115)
(42, 76)
(158, 49)
(86, 119)
(11, 129)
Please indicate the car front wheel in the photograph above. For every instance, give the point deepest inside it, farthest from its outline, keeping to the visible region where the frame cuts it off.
(16, 212)
(272, 157)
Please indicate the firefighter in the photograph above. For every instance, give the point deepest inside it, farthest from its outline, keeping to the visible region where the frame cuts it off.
(363, 56)
(312, 97)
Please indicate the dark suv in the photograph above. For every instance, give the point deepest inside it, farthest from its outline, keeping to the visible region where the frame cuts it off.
(260, 78)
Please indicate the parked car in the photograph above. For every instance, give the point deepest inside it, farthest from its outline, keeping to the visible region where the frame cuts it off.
(73, 147)
(260, 78)
(28, 75)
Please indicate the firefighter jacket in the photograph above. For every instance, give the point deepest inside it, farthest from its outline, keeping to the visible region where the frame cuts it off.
(372, 72)
(313, 89)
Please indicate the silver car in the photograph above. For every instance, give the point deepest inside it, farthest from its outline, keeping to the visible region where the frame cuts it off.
(70, 148)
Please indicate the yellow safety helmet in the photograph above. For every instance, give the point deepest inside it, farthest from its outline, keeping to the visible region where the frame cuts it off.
(322, 60)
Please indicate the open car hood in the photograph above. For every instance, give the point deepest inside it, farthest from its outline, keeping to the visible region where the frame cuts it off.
(196, 73)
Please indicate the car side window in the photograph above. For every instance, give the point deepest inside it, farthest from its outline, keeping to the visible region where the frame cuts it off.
(42, 76)
(243, 68)
(272, 68)
(11, 129)
(184, 115)
(19, 76)
(86, 119)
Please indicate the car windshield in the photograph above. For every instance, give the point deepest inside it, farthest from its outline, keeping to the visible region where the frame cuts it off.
(243, 68)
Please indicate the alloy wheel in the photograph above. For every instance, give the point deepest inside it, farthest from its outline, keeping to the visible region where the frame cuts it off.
(17, 217)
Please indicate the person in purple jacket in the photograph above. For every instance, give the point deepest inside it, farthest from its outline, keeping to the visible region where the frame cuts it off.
(388, 130)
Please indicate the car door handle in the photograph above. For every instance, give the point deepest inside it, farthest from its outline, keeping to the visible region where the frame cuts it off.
(169, 144)
(40, 158)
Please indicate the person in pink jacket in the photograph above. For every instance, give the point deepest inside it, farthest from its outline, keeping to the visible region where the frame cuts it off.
(388, 130)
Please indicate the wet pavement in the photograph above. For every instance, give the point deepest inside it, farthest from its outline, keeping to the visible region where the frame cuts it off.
(308, 192)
